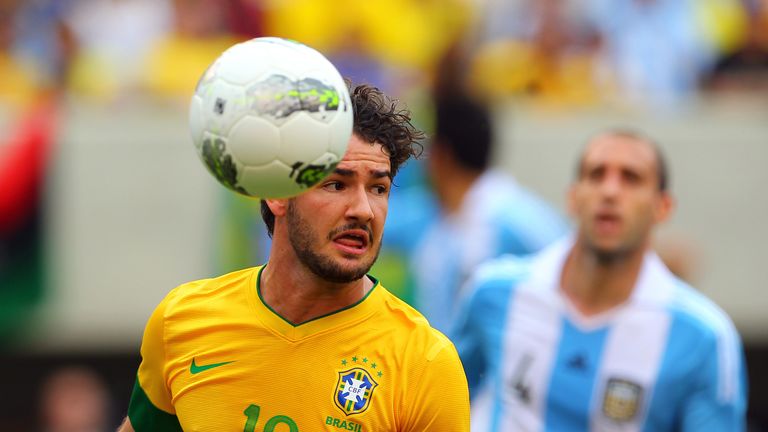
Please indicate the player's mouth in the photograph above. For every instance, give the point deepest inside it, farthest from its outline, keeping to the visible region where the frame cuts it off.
(352, 241)
(607, 222)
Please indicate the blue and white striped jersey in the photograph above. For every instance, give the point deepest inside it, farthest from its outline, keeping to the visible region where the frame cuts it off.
(666, 360)
(497, 217)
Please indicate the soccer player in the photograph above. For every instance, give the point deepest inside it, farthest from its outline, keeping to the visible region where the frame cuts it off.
(481, 212)
(309, 341)
(594, 333)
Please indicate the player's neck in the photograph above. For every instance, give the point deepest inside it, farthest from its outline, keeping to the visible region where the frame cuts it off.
(594, 285)
(298, 295)
(453, 188)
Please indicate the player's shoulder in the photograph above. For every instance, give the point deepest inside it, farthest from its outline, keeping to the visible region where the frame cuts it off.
(701, 325)
(409, 326)
(499, 276)
(401, 315)
(205, 290)
(700, 315)
(499, 279)
(506, 268)
(520, 206)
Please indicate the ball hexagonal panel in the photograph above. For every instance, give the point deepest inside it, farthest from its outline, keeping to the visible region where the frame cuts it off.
(269, 181)
(223, 104)
(254, 140)
(304, 139)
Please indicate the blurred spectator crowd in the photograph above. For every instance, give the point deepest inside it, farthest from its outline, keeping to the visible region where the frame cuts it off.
(631, 52)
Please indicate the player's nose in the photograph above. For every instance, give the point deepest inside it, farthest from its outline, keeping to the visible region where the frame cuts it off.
(610, 186)
(359, 206)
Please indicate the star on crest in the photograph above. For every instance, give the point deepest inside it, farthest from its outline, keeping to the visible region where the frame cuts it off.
(367, 361)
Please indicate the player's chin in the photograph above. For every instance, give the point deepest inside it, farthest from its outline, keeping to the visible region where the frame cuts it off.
(612, 250)
(348, 272)
(356, 263)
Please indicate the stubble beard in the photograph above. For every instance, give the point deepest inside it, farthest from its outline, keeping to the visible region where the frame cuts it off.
(302, 238)
(609, 256)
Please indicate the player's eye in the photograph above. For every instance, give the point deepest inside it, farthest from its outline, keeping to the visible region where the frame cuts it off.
(631, 177)
(381, 189)
(333, 186)
(595, 175)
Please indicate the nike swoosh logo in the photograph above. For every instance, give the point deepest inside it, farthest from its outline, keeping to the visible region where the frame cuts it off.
(195, 369)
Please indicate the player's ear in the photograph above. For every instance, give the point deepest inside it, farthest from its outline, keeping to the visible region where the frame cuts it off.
(278, 206)
(664, 206)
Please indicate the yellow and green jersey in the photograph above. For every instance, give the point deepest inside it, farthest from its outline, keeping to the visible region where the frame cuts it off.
(215, 357)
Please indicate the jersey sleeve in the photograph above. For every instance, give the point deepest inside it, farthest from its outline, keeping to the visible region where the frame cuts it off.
(440, 400)
(482, 314)
(150, 407)
(718, 400)
(467, 336)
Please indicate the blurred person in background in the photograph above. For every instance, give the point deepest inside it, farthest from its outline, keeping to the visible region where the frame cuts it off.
(18, 79)
(654, 53)
(355, 62)
(116, 37)
(630, 53)
(75, 399)
(307, 341)
(36, 50)
(744, 69)
(24, 159)
(246, 18)
(155, 47)
(543, 50)
(481, 212)
(30, 90)
(409, 36)
(594, 333)
(201, 31)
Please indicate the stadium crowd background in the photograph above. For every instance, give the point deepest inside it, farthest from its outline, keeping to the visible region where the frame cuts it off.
(104, 207)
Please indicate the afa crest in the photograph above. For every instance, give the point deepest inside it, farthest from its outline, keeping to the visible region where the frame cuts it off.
(354, 390)
(622, 400)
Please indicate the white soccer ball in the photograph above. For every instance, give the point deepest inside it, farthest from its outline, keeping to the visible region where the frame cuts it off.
(270, 118)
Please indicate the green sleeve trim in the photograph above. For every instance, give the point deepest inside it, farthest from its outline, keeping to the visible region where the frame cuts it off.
(147, 417)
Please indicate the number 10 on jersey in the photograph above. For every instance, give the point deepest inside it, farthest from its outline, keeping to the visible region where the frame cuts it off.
(252, 414)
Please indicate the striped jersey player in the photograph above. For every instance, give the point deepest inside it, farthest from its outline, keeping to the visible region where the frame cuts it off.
(594, 333)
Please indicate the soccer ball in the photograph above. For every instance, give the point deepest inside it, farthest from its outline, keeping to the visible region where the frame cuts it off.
(270, 118)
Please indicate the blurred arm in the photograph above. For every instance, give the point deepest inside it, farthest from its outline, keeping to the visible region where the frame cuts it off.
(718, 401)
(126, 426)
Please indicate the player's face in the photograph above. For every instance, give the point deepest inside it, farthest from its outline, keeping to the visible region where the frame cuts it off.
(616, 199)
(336, 227)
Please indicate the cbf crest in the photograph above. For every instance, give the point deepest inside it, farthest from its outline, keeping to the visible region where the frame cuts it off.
(354, 390)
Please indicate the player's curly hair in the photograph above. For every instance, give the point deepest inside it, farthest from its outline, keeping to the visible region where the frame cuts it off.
(377, 119)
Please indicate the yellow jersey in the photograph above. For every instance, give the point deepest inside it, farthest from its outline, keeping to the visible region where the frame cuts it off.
(215, 357)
